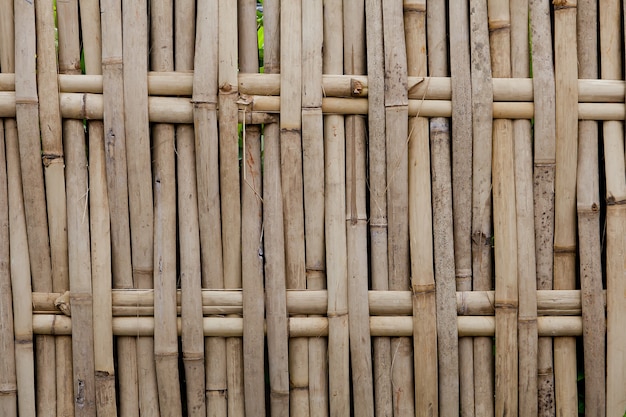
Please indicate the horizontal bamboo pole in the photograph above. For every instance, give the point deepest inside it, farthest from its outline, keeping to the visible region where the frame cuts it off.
(381, 303)
(429, 88)
(556, 326)
(255, 109)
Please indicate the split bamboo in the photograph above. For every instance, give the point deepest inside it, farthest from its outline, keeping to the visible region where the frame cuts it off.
(334, 224)
(588, 211)
(313, 182)
(378, 200)
(566, 74)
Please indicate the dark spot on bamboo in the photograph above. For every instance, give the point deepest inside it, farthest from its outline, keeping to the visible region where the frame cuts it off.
(80, 393)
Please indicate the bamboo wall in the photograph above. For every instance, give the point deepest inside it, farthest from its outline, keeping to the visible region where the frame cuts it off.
(400, 208)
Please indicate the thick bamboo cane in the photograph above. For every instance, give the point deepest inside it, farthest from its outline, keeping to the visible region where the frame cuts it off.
(396, 124)
(544, 171)
(378, 199)
(566, 74)
(588, 210)
(313, 182)
(334, 224)
(420, 232)
(526, 263)
(251, 230)
(20, 279)
(27, 113)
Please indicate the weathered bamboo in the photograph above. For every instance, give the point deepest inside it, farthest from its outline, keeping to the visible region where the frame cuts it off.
(27, 111)
(20, 278)
(378, 199)
(420, 229)
(588, 211)
(313, 181)
(566, 73)
(335, 229)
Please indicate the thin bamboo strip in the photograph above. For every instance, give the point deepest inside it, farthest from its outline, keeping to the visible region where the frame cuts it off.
(27, 111)
(313, 181)
(165, 260)
(587, 207)
(20, 278)
(566, 72)
(420, 237)
(555, 326)
(308, 302)
(117, 191)
(397, 134)
(188, 226)
(460, 76)
(8, 381)
(378, 200)
(334, 223)
(526, 262)
(544, 171)
(207, 171)
(230, 186)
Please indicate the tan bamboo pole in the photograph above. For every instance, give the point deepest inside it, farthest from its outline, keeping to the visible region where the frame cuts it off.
(188, 226)
(420, 230)
(230, 186)
(587, 208)
(164, 184)
(335, 231)
(207, 172)
(526, 263)
(566, 74)
(378, 200)
(611, 65)
(27, 115)
(482, 118)
(356, 219)
(313, 182)
(20, 279)
(397, 134)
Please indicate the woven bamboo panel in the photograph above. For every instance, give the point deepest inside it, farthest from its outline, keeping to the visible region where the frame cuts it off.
(312, 208)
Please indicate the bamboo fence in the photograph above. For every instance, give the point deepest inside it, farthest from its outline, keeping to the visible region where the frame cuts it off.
(317, 208)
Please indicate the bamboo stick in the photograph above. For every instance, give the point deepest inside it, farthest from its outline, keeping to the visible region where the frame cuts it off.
(378, 200)
(334, 224)
(188, 226)
(20, 279)
(207, 171)
(27, 111)
(526, 262)
(587, 207)
(565, 194)
(313, 181)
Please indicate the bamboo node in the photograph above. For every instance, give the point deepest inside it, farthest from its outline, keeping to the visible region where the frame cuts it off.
(419, 289)
(498, 25)
(63, 304)
(563, 4)
(564, 250)
(50, 158)
(510, 305)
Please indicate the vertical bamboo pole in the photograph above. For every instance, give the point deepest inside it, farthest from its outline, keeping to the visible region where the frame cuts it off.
(566, 88)
(230, 187)
(396, 123)
(99, 223)
(611, 64)
(526, 265)
(356, 219)
(544, 171)
(20, 279)
(420, 230)
(504, 223)
(8, 378)
(335, 230)
(164, 183)
(27, 115)
(313, 181)
(188, 226)
(378, 200)
(207, 172)
(588, 210)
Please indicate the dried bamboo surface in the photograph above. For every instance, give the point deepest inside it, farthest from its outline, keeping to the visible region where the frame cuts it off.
(312, 208)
